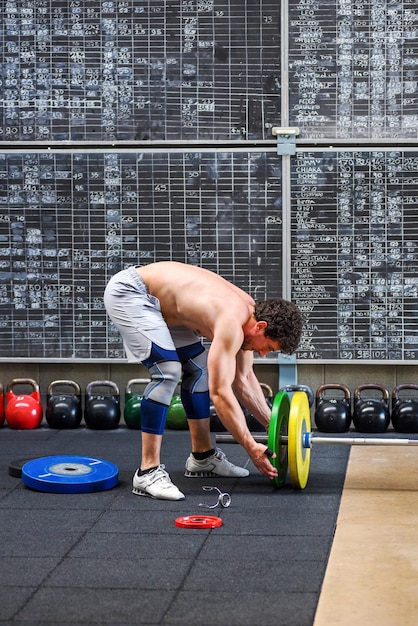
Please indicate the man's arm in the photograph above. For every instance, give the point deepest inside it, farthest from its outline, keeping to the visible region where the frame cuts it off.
(248, 390)
(222, 367)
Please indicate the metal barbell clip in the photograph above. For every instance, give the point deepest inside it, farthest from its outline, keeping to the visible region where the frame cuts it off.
(224, 499)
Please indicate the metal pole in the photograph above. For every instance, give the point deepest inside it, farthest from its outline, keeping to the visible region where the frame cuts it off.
(308, 440)
(358, 441)
(227, 438)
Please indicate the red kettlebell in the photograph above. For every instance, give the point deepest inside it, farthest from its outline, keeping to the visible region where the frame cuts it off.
(23, 411)
(1, 404)
(371, 415)
(2, 416)
(332, 414)
(405, 409)
(63, 408)
(101, 410)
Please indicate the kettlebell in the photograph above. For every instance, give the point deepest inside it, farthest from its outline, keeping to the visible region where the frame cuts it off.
(405, 410)
(305, 388)
(23, 411)
(132, 408)
(253, 424)
(2, 417)
(102, 411)
(216, 425)
(333, 415)
(63, 409)
(371, 415)
(176, 415)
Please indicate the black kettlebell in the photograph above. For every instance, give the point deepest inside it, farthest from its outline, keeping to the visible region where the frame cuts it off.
(216, 425)
(253, 424)
(102, 411)
(332, 415)
(305, 388)
(371, 415)
(63, 409)
(405, 410)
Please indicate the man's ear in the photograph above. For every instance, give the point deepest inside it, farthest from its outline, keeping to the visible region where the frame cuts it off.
(261, 325)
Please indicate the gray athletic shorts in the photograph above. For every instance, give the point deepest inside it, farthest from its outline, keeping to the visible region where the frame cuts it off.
(137, 315)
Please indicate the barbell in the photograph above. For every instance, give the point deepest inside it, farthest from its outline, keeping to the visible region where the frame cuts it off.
(290, 438)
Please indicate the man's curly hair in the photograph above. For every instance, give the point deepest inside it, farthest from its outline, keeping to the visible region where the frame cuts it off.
(284, 322)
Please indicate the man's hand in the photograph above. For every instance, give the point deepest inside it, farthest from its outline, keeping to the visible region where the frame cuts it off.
(261, 461)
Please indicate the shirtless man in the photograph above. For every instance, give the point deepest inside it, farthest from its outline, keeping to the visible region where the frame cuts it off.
(162, 310)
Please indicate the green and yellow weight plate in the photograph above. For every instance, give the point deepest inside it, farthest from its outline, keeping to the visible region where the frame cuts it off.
(299, 457)
(278, 428)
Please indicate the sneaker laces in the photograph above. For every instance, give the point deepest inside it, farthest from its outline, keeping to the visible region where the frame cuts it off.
(161, 475)
(222, 456)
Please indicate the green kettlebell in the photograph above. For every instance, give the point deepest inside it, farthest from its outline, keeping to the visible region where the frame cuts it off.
(132, 409)
(176, 416)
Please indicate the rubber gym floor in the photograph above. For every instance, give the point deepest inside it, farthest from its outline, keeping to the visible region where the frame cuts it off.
(110, 557)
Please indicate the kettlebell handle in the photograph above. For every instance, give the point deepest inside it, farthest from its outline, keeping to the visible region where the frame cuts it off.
(320, 391)
(396, 390)
(102, 383)
(304, 388)
(136, 381)
(23, 381)
(267, 390)
(66, 383)
(381, 388)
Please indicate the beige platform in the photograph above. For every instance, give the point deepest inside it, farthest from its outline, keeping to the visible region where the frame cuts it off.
(372, 573)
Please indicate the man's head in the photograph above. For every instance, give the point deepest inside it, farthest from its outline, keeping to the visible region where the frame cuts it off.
(284, 322)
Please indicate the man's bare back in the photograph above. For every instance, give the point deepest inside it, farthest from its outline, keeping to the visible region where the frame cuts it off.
(195, 297)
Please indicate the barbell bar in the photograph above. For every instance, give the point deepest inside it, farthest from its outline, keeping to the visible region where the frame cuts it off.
(291, 439)
(309, 439)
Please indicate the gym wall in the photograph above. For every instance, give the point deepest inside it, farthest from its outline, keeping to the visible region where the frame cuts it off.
(274, 143)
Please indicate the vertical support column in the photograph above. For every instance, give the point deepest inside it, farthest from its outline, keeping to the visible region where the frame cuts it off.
(284, 38)
(286, 147)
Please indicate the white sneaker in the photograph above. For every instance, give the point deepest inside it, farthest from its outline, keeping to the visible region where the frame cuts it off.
(156, 484)
(215, 465)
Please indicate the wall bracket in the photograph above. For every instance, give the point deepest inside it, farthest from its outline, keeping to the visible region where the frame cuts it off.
(286, 139)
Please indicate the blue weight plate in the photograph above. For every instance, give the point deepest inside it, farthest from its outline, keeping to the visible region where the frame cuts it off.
(69, 474)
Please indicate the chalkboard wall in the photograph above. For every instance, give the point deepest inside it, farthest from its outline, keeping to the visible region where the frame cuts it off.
(353, 68)
(135, 131)
(139, 70)
(70, 220)
(355, 253)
